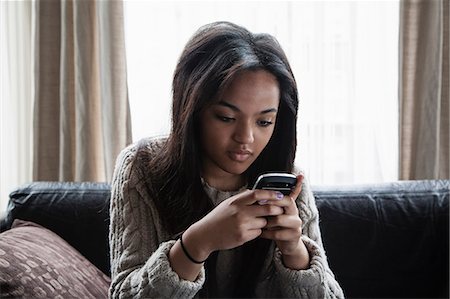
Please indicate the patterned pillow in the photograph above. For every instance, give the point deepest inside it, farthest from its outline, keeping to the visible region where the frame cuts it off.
(37, 263)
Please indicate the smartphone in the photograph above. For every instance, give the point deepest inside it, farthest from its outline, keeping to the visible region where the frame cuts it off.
(282, 182)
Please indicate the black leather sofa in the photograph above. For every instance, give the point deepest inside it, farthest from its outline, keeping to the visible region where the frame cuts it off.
(382, 240)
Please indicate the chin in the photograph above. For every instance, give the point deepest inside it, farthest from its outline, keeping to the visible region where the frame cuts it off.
(238, 169)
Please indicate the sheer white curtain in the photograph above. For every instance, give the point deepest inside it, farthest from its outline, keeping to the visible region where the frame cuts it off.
(344, 55)
(16, 99)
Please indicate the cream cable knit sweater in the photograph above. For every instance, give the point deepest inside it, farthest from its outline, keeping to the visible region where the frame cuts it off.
(140, 245)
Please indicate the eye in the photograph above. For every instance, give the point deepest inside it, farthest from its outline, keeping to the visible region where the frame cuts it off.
(264, 123)
(225, 119)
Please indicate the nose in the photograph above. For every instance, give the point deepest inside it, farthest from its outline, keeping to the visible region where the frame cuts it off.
(244, 133)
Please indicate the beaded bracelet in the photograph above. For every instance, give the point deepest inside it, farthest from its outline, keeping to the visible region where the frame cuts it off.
(187, 253)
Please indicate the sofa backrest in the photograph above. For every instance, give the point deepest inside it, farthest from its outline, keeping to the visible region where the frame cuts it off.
(382, 240)
(77, 212)
(388, 240)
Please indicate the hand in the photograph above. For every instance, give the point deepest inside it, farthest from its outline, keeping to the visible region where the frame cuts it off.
(286, 230)
(232, 223)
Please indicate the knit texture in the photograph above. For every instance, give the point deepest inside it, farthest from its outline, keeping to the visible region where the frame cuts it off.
(140, 245)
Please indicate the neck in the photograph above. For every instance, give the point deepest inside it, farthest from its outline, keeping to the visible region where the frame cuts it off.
(225, 183)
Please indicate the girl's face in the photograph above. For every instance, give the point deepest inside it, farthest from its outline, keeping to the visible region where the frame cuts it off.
(235, 130)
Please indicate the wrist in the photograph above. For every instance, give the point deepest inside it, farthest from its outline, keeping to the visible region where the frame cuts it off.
(187, 254)
(194, 245)
(297, 259)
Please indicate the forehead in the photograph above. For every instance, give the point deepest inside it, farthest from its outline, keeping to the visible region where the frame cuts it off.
(253, 87)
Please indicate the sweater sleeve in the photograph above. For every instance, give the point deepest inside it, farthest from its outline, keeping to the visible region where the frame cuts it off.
(318, 281)
(140, 265)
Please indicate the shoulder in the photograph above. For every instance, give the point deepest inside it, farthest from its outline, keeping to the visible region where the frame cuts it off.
(132, 162)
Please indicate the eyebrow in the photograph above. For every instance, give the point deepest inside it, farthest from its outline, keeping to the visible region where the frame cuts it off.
(235, 108)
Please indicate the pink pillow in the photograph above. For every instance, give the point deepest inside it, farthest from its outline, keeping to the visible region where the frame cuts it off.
(37, 263)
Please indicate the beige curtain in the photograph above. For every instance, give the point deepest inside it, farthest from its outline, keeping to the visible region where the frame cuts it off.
(81, 110)
(424, 89)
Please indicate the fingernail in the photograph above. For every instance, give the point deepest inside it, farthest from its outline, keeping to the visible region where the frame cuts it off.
(280, 195)
(261, 202)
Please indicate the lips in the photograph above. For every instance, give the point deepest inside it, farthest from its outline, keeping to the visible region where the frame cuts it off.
(239, 155)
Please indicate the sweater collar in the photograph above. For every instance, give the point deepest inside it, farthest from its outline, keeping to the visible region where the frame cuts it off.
(216, 195)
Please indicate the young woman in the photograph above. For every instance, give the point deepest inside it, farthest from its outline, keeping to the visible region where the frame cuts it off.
(184, 222)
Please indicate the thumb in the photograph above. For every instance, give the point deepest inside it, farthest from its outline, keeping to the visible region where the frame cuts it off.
(246, 197)
(298, 188)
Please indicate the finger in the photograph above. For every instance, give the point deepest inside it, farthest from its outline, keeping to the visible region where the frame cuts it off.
(258, 223)
(288, 205)
(254, 233)
(249, 197)
(282, 234)
(284, 222)
(265, 210)
(285, 202)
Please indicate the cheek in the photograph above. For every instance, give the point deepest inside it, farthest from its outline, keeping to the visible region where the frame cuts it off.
(264, 138)
(211, 132)
(267, 134)
(212, 137)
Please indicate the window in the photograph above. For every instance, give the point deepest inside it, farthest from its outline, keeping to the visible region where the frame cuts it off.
(344, 55)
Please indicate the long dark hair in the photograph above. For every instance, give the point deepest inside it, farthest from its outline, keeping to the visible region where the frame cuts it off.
(209, 62)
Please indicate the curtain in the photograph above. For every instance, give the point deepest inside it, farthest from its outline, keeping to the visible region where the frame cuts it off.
(15, 99)
(424, 89)
(81, 110)
(344, 55)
